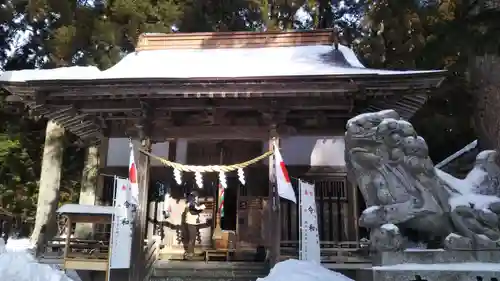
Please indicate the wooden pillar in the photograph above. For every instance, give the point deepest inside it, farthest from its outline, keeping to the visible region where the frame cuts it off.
(217, 232)
(355, 208)
(152, 205)
(103, 160)
(151, 211)
(274, 212)
(50, 180)
(143, 169)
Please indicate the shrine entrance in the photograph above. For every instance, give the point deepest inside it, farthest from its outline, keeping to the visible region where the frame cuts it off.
(241, 203)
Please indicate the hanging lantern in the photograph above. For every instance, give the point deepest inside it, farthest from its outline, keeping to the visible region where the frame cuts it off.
(178, 176)
(222, 179)
(199, 179)
(241, 176)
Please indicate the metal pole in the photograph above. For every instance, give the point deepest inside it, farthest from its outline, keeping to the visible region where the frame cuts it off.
(112, 176)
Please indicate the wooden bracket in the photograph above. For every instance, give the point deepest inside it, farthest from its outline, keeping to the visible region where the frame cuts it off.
(276, 117)
(145, 121)
(41, 97)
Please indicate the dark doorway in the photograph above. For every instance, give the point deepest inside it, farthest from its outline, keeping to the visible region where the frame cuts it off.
(228, 222)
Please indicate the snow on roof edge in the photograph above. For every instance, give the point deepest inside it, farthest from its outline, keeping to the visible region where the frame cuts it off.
(285, 62)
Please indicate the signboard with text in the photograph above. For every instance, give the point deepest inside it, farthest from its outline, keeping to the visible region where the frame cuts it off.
(121, 227)
(309, 243)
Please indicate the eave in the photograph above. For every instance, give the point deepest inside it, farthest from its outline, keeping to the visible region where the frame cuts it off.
(248, 87)
(75, 103)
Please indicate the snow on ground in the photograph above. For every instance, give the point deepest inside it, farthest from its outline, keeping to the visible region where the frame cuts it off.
(18, 264)
(295, 270)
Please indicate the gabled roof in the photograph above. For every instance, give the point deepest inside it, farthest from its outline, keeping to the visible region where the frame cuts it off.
(177, 72)
(215, 56)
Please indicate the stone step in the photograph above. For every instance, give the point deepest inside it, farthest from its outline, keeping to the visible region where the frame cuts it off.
(449, 274)
(195, 270)
(435, 257)
(191, 278)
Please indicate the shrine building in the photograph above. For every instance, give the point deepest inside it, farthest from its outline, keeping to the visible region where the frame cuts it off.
(218, 99)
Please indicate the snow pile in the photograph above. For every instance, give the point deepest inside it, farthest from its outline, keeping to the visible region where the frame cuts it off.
(17, 264)
(18, 245)
(295, 270)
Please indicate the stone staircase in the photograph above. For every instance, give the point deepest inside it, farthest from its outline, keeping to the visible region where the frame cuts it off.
(437, 265)
(211, 271)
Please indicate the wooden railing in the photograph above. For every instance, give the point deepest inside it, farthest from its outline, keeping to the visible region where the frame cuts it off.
(55, 247)
(151, 253)
(331, 252)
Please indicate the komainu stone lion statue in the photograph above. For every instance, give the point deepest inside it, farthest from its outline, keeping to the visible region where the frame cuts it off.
(410, 201)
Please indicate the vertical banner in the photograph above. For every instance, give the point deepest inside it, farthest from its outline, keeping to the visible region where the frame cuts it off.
(121, 227)
(309, 244)
(133, 191)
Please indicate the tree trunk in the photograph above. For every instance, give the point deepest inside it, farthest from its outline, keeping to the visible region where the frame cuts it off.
(88, 191)
(485, 83)
(50, 178)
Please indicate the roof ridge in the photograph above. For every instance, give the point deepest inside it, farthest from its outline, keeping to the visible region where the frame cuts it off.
(242, 39)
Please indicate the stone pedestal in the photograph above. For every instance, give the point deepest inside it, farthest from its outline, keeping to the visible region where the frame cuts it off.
(437, 265)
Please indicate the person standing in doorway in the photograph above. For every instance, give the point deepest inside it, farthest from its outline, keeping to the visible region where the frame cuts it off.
(193, 210)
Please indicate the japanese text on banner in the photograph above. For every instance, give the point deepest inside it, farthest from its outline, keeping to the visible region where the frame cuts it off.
(309, 246)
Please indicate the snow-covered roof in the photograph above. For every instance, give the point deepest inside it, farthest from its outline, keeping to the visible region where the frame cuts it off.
(312, 60)
(86, 209)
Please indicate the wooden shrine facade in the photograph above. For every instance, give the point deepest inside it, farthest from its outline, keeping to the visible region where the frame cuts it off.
(312, 89)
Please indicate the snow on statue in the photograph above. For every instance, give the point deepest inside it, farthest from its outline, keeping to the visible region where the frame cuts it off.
(408, 199)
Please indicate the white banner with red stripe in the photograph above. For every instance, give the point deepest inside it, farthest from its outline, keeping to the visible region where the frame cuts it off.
(133, 193)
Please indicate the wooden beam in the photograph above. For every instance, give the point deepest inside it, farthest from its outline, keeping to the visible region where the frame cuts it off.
(230, 132)
(241, 104)
(214, 90)
(211, 132)
(241, 39)
(143, 171)
(274, 229)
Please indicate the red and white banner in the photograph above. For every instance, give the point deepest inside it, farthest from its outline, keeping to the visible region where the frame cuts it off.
(284, 186)
(133, 194)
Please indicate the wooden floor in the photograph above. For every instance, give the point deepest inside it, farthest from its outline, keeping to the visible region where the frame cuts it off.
(244, 255)
(196, 265)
